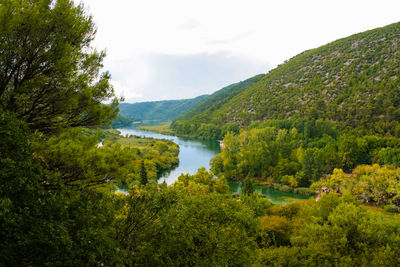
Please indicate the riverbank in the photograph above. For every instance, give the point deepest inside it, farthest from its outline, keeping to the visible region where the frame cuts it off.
(162, 128)
(193, 153)
(276, 196)
(159, 156)
(196, 153)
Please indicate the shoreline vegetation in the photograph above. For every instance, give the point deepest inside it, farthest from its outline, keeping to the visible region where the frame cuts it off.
(381, 153)
(162, 128)
(58, 205)
(165, 128)
(309, 190)
(158, 155)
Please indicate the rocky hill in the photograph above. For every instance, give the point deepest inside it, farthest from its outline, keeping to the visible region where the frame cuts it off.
(354, 81)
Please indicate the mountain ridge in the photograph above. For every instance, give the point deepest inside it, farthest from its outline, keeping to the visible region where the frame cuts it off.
(163, 110)
(354, 81)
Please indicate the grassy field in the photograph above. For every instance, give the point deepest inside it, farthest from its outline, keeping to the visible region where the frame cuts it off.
(162, 128)
(113, 137)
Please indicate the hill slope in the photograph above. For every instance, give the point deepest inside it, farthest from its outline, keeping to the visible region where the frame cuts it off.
(159, 110)
(354, 81)
(217, 100)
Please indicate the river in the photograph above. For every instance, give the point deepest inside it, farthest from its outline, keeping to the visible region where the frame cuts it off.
(194, 153)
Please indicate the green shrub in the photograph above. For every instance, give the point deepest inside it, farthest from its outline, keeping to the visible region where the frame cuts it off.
(304, 191)
(283, 188)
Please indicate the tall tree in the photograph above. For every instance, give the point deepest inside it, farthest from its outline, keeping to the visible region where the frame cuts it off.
(49, 74)
(247, 186)
(143, 174)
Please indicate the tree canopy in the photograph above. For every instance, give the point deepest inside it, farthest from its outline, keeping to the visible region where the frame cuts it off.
(49, 74)
(58, 201)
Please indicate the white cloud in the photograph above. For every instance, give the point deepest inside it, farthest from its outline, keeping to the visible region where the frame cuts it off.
(127, 93)
(189, 25)
(253, 30)
(179, 76)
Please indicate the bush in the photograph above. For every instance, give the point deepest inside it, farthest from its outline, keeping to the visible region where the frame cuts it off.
(288, 180)
(275, 231)
(283, 188)
(259, 204)
(304, 191)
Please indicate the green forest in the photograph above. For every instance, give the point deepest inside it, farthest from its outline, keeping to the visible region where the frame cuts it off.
(165, 110)
(59, 167)
(353, 81)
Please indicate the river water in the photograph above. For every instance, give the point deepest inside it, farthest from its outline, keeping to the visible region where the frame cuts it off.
(194, 154)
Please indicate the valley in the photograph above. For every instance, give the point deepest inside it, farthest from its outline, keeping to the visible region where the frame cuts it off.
(298, 166)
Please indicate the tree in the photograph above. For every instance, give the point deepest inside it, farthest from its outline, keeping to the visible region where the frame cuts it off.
(247, 186)
(79, 162)
(312, 166)
(50, 82)
(202, 181)
(49, 74)
(44, 222)
(143, 174)
(194, 230)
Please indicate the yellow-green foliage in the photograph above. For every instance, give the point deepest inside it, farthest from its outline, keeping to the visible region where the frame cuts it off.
(368, 183)
(158, 155)
(57, 205)
(275, 230)
(335, 231)
(202, 182)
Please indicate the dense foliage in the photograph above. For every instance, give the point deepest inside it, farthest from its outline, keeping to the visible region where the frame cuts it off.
(155, 155)
(354, 81)
(58, 205)
(298, 152)
(122, 122)
(370, 184)
(331, 232)
(159, 110)
(49, 74)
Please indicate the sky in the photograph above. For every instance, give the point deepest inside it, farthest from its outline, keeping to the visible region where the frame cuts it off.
(177, 49)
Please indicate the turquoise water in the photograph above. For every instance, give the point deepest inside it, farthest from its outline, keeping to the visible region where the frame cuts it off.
(194, 154)
(276, 196)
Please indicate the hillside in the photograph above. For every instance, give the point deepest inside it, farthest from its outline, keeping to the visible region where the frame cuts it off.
(217, 100)
(354, 81)
(159, 110)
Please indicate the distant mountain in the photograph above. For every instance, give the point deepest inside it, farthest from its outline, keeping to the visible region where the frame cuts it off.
(354, 81)
(159, 110)
(207, 106)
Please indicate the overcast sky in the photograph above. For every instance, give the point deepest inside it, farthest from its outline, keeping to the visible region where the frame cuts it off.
(175, 49)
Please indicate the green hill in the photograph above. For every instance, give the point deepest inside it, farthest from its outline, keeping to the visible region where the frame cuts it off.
(354, 81)
(159, 110)
(205, 108)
